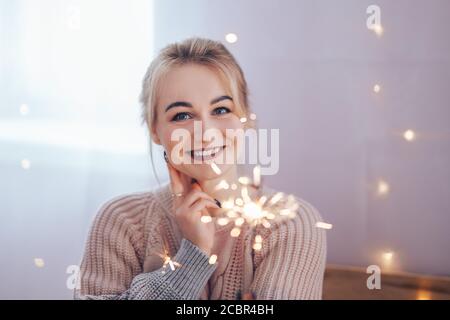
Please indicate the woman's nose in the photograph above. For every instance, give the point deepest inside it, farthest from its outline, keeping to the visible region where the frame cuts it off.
(207, 123)
(209, 126)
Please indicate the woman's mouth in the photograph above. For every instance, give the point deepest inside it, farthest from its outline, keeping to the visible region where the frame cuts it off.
(206, 153)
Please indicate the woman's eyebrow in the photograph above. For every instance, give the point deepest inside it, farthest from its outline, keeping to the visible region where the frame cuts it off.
(178, 104)
(189, 105)
(218, 99)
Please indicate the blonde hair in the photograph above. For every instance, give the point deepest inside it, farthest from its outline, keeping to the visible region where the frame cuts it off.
(198, 51)
(206, 52)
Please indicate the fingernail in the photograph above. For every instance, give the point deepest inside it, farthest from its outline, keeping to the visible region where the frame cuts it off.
(247, 296)
(218, 203)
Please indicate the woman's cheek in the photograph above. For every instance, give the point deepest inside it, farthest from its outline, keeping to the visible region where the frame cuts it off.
(173, 149)
(232, 123)
(177, 141)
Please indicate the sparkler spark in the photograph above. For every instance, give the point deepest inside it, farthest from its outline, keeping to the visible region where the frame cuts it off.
(215, 168)
(324, 225)
(222, 185)
(206, 219)
(167, 260)
(212, 259)
(257, 176)
(256, 208)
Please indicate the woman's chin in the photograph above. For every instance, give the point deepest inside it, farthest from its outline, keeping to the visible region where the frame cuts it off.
(205, 171)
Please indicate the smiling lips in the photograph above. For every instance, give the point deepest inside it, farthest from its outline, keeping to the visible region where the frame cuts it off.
(206, 154)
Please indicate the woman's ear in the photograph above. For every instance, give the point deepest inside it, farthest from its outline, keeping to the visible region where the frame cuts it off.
(154, 136)
(155, 139)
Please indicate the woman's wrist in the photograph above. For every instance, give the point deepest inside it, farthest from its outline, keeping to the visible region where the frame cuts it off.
(207, 249)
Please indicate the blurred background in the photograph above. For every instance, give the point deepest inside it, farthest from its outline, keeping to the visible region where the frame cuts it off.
(363, 115)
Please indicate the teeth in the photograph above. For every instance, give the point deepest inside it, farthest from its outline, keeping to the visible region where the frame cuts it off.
(206, 153)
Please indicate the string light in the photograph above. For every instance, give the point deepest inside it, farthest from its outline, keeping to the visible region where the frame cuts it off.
(383, 188)
(24, 110)
(231, 37)
(409, 135)
(378, 29)
(387, 257)
(26, 164)
(387, 260)
(423, 294)
(39, 262)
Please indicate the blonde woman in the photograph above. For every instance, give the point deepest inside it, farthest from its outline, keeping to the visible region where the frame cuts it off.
(155, 245)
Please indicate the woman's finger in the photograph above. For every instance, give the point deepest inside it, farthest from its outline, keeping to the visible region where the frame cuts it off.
(195, 195)
(248, 296)
(199, 205)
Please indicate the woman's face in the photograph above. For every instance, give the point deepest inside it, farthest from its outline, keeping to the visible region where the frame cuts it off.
(191, 96)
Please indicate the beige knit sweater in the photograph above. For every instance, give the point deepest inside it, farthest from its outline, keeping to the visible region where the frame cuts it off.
(121, 258)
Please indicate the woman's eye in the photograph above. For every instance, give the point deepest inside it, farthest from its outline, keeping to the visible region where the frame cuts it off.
(181, 116)
(221, 110)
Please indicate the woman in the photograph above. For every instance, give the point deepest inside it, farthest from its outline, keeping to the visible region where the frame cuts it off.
(156, 245)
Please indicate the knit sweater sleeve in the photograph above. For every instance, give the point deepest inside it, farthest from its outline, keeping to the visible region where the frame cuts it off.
(291, 263)
(111, 267)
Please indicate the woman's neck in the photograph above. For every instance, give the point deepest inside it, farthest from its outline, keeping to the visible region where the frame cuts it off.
(222, 194)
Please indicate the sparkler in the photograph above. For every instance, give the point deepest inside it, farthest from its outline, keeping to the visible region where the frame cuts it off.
(167, 260)
(256, 209)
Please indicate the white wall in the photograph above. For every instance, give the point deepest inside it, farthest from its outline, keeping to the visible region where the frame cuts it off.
(78, 66)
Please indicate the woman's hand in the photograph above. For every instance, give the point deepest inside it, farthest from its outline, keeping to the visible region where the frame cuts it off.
(246, 296)
(189, 205)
